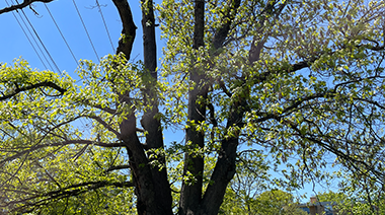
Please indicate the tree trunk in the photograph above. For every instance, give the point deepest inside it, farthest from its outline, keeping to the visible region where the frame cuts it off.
(191, 193)
(151, 185)
(191, 201)
(225, 167)
(151, 124)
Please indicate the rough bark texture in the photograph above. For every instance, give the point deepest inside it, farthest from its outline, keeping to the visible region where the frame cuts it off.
(151, 124)
(150, 198)
(225, 167)
(151, 184)
(191, 201)
(129, 28)
(191, 192)
(141, 173)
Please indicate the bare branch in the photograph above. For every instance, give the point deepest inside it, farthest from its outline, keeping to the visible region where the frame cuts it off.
(22, 5)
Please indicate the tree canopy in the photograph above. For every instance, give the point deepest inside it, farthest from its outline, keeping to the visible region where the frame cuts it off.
(301, 81)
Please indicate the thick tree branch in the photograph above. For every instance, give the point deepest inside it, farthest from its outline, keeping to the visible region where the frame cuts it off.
(150, 122)
(191, 193)
(141, 171)
(228, 18)
(225, 167)
(33, 86)
(129, 28)
(73, 190)
(258, 40)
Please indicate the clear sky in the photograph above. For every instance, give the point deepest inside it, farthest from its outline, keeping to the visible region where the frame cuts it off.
(15, 44)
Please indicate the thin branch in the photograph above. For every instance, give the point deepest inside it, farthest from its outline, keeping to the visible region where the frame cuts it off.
(112, 168)
(64, 143)
(22, 5)
(72, 190)
(106, 125)
(106, 109)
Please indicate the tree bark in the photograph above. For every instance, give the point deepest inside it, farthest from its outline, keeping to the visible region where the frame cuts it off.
(191, 192)
(191, 201)
(225, 167)
(150, 122)
(151, 185)
(129, 28)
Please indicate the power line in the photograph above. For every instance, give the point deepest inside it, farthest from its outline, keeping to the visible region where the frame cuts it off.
(84, 26)
(29, 40)
(57, 26)
(41, 42)
(34, 39)
(105, 25)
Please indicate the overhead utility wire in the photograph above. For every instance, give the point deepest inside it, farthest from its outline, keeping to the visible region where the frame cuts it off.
(57, 26)
(41, 42)
(29, 40)
(84, 26)
(89, 38)
(34, 39)
(105, 25)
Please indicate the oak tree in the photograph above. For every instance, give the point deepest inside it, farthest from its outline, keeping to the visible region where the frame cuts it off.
(300, 80)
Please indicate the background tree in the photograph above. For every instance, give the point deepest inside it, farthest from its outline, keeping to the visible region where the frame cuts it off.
(250, 180)
(299, 79)
(268, 202)
(277, 202)
(356, 202)
(330, 196)
(365, 196)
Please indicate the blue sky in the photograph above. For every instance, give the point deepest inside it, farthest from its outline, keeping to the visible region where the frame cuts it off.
(14, 43)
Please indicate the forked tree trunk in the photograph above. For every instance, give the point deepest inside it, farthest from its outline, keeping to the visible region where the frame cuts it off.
(151, 185)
